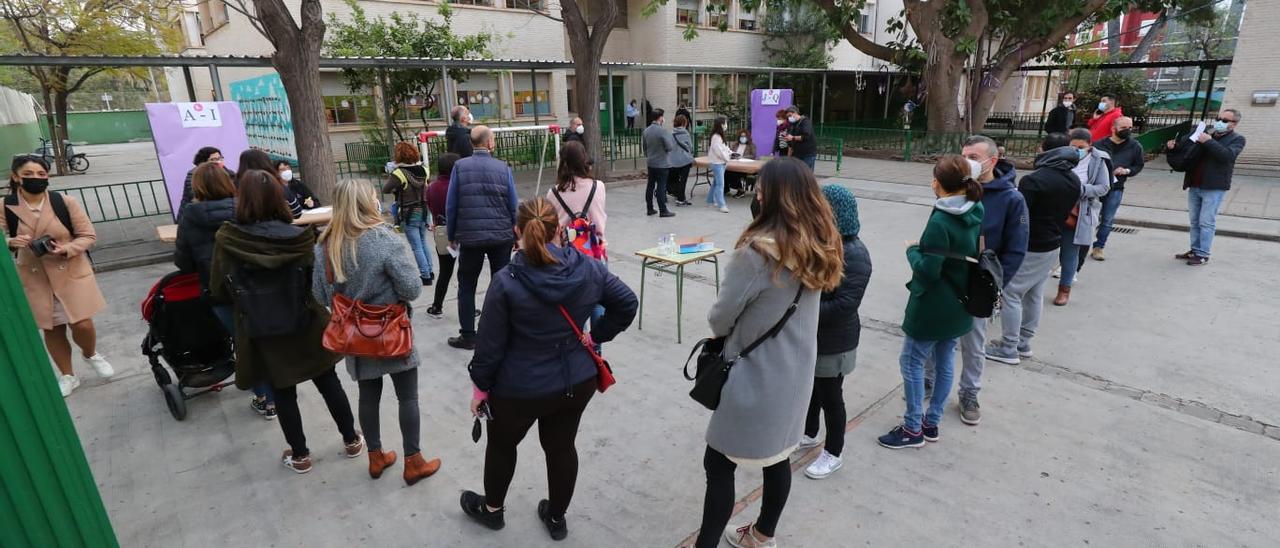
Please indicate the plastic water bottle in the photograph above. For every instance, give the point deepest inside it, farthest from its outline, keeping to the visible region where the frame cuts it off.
(671, 239)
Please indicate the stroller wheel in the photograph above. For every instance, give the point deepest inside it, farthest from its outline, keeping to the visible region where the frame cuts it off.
(175, 400)
(162, 376)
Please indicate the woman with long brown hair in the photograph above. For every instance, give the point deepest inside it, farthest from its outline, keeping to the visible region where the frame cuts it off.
(531, 366)
(783, 261)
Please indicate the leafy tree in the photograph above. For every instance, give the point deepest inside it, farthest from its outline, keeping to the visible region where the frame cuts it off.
(799, 36)
(403, 35)
(82, 27)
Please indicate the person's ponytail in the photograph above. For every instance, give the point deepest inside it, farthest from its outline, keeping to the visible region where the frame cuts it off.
(972, 190)
(538, 222)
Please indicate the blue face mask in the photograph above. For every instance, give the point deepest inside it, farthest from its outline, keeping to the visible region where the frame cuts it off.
(1082, 153)
(1219, 127)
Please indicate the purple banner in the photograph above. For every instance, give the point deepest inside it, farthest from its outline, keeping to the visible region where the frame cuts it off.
(181, 129)
(765, 104)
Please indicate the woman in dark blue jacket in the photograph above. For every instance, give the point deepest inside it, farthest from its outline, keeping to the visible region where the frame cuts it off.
(531, 367)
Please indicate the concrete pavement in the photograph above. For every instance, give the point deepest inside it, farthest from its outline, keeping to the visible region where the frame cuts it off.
(1145, 420)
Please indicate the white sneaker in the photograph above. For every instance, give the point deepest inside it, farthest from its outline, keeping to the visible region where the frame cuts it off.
(743, 537)
(100, 366)
(68, 383)
(807, 442)
(824, 466)
(724, 210)
(1057, 272)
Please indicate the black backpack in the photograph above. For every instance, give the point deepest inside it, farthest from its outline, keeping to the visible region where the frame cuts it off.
(56, 203)
(272, 302)
(982, 297)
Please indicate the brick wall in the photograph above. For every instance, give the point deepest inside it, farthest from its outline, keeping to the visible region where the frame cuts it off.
(1256, 67)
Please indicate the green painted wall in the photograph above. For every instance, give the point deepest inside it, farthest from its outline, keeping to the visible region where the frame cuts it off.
(101, 128)
(18, 139)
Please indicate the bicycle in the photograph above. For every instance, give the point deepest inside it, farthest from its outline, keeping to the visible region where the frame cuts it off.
(77, 162)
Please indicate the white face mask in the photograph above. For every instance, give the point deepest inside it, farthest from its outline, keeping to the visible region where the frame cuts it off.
(1102, 106)
(742, 140)
(580, 130)
(779, 122)
(287, 175)
(793, 119)
(1067, 104)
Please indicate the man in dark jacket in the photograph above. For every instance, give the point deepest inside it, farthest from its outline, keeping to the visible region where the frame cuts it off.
(575, 132)
(1062, 116)
(1127, 160)
(658, 143)
(1208, 163)
(458, 135)
(800, 138)
(1050, 192)
(1005, 230)
(480, 213)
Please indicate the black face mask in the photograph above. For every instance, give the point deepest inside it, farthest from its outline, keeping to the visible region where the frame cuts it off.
(33, 185)
(1124, 134)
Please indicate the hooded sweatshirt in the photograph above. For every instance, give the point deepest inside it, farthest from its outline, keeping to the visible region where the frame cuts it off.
(1050, 191)
(1004, 223)
(286, 360)
(934, 311)
(524, 346)
(193, 250)
(839, 326)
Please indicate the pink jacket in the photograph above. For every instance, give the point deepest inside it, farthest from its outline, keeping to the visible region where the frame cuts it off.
(577, 198)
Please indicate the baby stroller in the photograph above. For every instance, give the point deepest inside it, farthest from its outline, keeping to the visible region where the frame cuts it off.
(185, 333)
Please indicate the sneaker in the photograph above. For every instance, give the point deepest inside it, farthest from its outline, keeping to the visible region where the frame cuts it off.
(745, 537)
(100, 366)
(807, 442)
(651, 213)
(724, 210)
(258, 405)
(67, 384)
(1098, 254)
(1024, 351)
(824, 466)
(270, 413)
(1197, 260)
(930, 433)
(900, 438)
(355, 448)
(428, 280)
(666, 214)
(474, 507)
(557, 528)
(1057, 272)
(970, 414)
(1185, 256)
(301, 466)
(1003, 355)
(435, 312)
(462, 343)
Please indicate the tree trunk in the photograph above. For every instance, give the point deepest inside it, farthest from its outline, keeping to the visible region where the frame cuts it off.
(300, 73)
(61, 133)
(51, 120)
(942, 80)
(586, 44)
(1113, 38)
(1153, 33)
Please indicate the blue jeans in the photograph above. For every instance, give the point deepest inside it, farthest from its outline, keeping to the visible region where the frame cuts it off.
(1110, 204)
(415, 229)
(1070, 257)
(1203, 207)
(810, 161)
(914, 354)
(715, 195)
(226, 315)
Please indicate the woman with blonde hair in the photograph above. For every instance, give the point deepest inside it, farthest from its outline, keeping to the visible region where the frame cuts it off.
(783, 261)
(360, 257)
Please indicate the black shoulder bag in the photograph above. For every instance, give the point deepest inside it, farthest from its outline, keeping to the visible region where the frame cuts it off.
(713, 368)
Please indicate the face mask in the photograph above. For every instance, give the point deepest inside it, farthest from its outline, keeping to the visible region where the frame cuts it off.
(1219, 127)
(287, 175)
(1102, 106)
(742, 140)
(779, 122)
(1124, 134)
(1067, 104)
(793, 119)
(580, 130)
(975, 169)
(1082, 153)
(33, 185)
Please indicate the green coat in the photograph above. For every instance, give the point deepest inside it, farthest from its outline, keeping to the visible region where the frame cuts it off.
(287, 360)
(934, 310)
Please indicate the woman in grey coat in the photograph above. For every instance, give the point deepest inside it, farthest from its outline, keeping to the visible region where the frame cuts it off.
(681, 158)
(360, 257)
(789, 254)
(1094, 171)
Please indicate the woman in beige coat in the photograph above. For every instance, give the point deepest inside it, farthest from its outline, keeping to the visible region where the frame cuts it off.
(57, 276)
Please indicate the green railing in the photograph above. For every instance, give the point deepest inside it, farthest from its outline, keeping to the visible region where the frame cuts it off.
(121, 201)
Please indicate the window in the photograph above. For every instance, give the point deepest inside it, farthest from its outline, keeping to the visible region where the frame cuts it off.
(864, 23)
(473, 2)
(482, 103)
(684, 95)
(535, 5)
(213, 15)
(525, 104)
(1083, 36)
(341, 109)
(746, 19)
(687, 12)
(717, 15)
(412, 109)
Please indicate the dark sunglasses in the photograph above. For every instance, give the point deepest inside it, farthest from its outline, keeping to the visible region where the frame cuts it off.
(1226, 120)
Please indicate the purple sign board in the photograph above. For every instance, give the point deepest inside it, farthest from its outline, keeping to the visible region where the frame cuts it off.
(181, 129)
(765, 104)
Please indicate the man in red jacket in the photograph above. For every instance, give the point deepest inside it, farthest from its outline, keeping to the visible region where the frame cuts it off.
(1105, 117)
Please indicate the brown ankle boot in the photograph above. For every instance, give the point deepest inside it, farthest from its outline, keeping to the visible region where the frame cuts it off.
(416, 468)
(379, 461)
(1064, 295)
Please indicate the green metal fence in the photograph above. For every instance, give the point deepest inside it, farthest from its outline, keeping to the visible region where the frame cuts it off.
(121, 201)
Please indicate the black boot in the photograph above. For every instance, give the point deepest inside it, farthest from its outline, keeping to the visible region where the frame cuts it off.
(473, 506)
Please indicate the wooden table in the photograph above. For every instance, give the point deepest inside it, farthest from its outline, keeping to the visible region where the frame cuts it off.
(702, 170)
(655, 260)
(317, 216)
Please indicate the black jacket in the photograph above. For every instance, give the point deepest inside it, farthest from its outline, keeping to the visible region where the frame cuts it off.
(458, 140)
(1051, 191)
(1128, 154)
(193, 250)
(573, 136)
(1208, 165)
(524, 347)
(188, 194)
(807, 145)
(839, 326)
(1060, 119)
(302, 192)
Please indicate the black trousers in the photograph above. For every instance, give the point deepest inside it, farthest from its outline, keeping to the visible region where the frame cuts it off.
(657, 188)
(406, 387)
(446, 276)
(735, 181)
(470, 261)
(717, 507)
(828, 399)
(291, 419)
(677, 181)
(557, 419)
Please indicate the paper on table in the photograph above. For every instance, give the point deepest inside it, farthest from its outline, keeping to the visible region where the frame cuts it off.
(325, 209)
(1198, 132)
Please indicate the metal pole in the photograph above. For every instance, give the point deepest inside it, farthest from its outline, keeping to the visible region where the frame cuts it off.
(1208, 94)
(888, 94)
(1195, 95)
(217, 82)
(533, 80)
(613, 143)
(386, 113)
(1048, 79)
(446, 99)
(693, 113)
(811, 90)
(191, 87)
(771, 79)
(822, 116)
(644, 99)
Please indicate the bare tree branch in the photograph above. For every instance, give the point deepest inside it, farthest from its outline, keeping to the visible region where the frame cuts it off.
(855, 38)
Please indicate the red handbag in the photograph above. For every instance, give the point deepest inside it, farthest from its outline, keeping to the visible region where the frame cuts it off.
(1073, 218)
(366, 330)
(604, 373)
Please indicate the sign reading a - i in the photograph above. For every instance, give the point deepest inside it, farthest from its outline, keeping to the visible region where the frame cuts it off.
(199, 115)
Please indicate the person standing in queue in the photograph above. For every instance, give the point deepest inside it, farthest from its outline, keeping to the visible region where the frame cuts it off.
(800, 138)
(658, 143)
(1127, 158)
(1095, 174)
(784, 259)
(1208, 162)
(718, 154)
(576, 132)
(408, 183)
(437, 195)
(531, 367)
(458, 135)
(1063, 116)
(50, 236)
(262, 266)
(681, 159)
